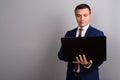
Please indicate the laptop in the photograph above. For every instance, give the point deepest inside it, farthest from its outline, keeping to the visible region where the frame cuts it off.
(94, 48)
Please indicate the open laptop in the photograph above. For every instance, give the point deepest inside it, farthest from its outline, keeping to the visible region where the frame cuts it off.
(94, 48)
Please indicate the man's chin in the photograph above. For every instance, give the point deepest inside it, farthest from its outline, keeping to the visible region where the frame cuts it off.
(82, 25)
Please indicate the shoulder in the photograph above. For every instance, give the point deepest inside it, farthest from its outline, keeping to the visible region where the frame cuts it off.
(71, 33)
(95, 31)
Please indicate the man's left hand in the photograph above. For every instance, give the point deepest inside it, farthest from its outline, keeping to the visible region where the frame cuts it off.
(83, 61)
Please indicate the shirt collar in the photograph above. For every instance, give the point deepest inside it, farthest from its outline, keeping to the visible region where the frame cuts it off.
(85, 27)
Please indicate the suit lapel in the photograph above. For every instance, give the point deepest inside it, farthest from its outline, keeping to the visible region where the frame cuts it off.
(88, 32)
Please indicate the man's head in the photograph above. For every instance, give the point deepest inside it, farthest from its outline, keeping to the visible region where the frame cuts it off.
(82, 14)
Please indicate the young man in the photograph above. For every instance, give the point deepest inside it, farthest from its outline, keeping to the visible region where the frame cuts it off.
(86, 70)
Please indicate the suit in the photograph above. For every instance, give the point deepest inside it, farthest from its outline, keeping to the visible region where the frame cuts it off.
(85, 74)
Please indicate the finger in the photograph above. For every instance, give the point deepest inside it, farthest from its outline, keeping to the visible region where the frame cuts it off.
(81, 59)
(84, 58)
(77, 59)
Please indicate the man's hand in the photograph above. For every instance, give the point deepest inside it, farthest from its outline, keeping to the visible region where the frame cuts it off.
(83, 61)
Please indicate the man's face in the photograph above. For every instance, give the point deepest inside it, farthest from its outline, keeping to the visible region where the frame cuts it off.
(82, 16)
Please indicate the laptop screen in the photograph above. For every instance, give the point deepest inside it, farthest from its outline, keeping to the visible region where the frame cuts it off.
(94, 48)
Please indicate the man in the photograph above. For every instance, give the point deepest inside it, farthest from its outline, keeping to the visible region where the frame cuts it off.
(86, 70)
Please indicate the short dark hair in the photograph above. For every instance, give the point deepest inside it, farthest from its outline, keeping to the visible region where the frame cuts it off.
(83, 6)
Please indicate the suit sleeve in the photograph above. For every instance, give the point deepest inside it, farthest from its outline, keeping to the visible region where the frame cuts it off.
(60, 53)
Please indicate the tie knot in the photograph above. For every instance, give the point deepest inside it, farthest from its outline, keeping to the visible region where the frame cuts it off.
(81, 29)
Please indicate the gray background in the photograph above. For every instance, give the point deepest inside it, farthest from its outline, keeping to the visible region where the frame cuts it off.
(30, 32)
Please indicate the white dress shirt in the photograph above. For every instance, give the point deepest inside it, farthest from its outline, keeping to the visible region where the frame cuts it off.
(84, 29)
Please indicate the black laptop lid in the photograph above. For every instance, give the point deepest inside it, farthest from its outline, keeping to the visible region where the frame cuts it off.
(93, 47)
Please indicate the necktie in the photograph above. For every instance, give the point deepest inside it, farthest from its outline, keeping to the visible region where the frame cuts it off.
(80, 32)
(80, 35)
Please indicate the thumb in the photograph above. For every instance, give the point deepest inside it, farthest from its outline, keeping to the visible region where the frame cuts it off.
(91, 61)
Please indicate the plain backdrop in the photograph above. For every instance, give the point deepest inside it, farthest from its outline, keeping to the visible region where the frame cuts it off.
(30, 32)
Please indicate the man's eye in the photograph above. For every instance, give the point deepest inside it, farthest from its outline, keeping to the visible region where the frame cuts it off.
(78, 15)
(85, 15)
